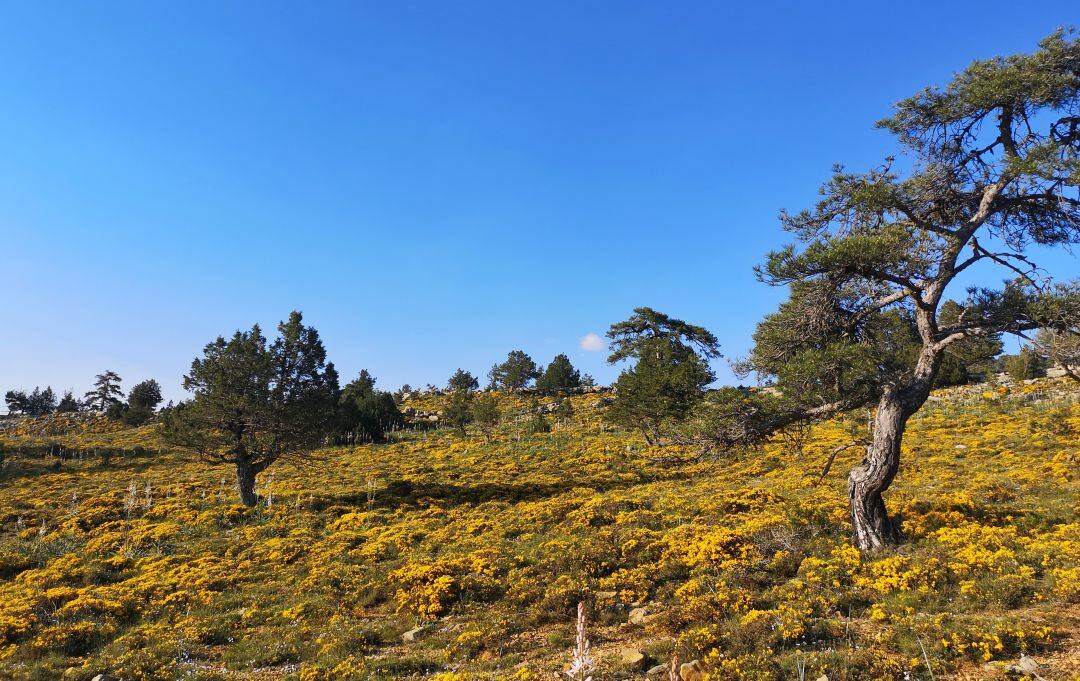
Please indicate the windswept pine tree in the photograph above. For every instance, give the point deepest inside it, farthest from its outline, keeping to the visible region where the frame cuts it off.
(991, 167)
(106, 392)
(669, 375)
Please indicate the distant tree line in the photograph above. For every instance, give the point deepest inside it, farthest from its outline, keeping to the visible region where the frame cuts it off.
(106, 398)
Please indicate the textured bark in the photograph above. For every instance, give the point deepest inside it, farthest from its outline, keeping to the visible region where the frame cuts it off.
(245, 482)
(873, 528)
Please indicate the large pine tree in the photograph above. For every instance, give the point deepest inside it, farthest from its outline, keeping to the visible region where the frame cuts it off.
(991, 167)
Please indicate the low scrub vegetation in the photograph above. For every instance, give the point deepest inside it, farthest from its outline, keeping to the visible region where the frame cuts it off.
(480, 549)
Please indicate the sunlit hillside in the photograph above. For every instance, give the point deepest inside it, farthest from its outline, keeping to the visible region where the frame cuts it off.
(444, 557)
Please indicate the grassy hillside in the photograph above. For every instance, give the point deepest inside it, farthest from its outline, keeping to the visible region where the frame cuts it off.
(146, 567)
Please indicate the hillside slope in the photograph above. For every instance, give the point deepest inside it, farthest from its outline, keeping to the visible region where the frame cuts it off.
(145, 566)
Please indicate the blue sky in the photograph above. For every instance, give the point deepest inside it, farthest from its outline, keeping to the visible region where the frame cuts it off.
(432, 184)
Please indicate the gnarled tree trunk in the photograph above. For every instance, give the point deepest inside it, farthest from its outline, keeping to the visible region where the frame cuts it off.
(245, 482)
(868, 481)
(873, 528)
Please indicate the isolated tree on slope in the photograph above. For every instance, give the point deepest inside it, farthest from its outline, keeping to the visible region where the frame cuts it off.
(994, 169)
(670, 373)
(256, 403)
(485, 413)
(515, 373)
(106, 392)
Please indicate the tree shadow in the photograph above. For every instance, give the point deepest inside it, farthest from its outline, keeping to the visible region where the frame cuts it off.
(399, 493)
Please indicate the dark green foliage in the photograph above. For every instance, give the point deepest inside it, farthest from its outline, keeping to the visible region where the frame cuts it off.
(366, 414)
(1026, 365)
(458, 413)
(106, 392)
(1059, 341)
(647, 327)
(485, 413)
(669, 377)
(969, 360)
(36, 403)
(255, 403)
(68, 403)
(142, 401)
(116, 411)
(515, 373)
(560, 376)
(658, 391)
(462, 381)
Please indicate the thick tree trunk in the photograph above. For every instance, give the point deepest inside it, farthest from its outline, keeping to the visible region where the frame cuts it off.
(245, 482)
(873, 528)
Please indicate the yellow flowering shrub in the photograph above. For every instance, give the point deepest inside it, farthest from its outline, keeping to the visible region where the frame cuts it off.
(147, 567)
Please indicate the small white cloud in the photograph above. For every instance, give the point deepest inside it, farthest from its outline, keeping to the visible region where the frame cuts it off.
(590, 342)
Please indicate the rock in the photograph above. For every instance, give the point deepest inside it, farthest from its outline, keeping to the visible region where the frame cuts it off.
(632, 657)
(692, 671)
(638, 616)
(1027, 667)
(105, 677)
(823, 677)
(658, 670)
(412, 635)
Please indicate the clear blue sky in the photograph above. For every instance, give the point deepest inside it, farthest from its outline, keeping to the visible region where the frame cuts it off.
(432, 184)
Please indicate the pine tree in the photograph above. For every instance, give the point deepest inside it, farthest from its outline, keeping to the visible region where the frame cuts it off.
(256, 403)
(515, 373)
(106, 392)
(559, 377)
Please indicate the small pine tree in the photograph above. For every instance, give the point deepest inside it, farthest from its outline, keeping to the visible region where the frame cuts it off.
(564, 410)
(257, 402)
(538, 423)
(142, 401)
(68, 404)
(1026, 365)
(366, 414)
(559, 377)
(462, 381)
(485, 413)
(458, 413)
(670, 375)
